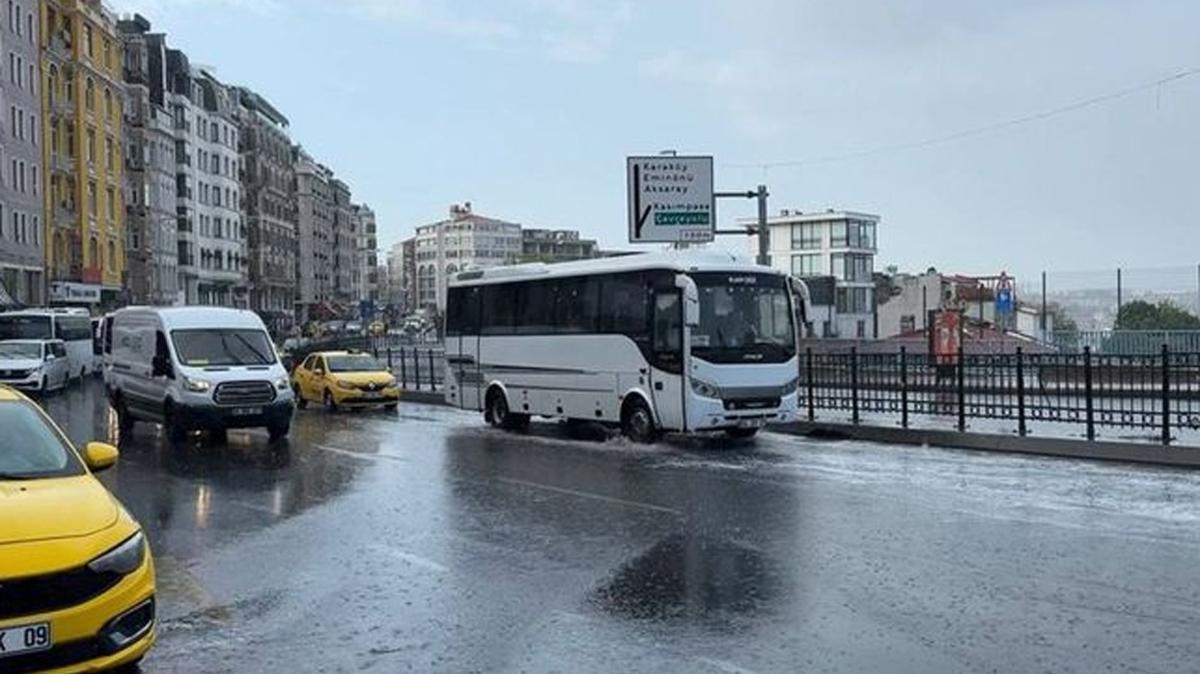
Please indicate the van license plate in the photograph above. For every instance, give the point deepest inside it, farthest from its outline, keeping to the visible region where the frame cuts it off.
(25, 639)
(247, 411)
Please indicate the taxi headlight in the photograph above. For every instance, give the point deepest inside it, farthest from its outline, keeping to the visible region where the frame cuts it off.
(705, 389)
(123, 559)
(345, 385)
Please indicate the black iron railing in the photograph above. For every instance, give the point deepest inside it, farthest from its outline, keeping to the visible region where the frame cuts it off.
(1159, 392)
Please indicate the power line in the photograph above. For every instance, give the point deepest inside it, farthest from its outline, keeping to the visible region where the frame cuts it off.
(975, 131)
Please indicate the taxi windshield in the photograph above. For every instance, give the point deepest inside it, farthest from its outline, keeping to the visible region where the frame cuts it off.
(31, 449)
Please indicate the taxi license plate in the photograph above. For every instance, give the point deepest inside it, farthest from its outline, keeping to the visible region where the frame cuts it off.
(247, 411)
(371, 395)
(25, 639)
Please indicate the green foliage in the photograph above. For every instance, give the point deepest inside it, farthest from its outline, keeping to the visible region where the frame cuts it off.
(1166, 315)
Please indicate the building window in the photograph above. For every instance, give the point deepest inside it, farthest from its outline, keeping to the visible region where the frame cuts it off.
(91, 146)
(838, 237)
(92, 198)
(88, 42)
(807, 235)
(112, 256)
(108, 105)
(807, 265)
(851, 267)
(109, 155)
(111, 197)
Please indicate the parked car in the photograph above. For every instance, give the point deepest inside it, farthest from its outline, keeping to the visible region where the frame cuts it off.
(77, 588)
(196, 368)
(36, 365)
(343, 379)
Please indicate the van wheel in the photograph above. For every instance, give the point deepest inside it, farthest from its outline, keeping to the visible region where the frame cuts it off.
(300, 401)
(637, 422)
(327, 400)
(279, 431)
(171, 425)
(124, 420)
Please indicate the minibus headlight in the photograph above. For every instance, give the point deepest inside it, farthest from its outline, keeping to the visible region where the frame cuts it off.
(705, 389)
(791, 387)
(123, 559)
(196, 385)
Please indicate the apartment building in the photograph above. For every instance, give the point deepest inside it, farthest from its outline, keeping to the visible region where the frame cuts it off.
(22, 207)
(314, 216)
(556, 245)
(269, 196)
(465, 240)
(366, 268)
(151, 257)
(82, 151)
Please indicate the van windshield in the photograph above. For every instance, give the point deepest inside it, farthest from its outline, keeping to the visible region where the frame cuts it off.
(222, 348)
(20, 350)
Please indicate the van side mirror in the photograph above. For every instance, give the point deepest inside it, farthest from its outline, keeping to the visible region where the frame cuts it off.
(50, 358)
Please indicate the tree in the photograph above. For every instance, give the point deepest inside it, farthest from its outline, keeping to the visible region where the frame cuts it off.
(1166, 315)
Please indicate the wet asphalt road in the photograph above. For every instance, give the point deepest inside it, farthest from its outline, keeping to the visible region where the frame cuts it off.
(423, 541)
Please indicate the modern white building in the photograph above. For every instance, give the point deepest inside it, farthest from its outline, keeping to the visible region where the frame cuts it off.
(464, 241)
(840, 244)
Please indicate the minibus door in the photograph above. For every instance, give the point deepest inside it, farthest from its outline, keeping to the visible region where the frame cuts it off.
(667, 372)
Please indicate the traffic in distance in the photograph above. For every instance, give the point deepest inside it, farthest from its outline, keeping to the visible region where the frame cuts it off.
(668, 342)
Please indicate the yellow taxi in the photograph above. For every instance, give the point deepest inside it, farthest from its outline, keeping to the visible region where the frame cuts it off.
(76, 574)
(344, 379)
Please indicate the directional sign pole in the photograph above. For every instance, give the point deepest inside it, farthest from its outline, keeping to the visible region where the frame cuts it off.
(764, 234)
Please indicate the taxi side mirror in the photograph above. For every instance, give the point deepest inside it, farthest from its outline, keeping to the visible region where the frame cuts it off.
(100, 456)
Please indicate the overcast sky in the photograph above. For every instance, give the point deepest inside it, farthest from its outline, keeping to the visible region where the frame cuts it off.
(527, 108)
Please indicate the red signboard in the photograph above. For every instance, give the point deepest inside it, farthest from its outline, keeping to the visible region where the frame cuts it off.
(91, 275)
(946, 337)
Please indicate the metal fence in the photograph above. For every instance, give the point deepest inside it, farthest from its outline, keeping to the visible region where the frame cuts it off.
(1139, 342)
(417, 368)
(1159, 392)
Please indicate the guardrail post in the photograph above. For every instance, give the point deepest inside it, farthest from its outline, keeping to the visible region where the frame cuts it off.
(389, 357)
(1087, 392)
(812, 387)
(416, 369)
(904, 387)
(1021, 428)
(854, 382)
(403, 370)
(432, 373)
(962, 390)
(1166, 395)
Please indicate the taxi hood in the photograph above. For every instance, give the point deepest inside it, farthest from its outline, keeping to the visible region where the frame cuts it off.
(53, 508)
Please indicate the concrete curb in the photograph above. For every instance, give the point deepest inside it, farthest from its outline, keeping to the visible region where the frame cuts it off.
(1130, 452)
(423, 397)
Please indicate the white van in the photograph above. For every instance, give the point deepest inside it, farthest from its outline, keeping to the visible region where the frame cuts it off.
(195, 368)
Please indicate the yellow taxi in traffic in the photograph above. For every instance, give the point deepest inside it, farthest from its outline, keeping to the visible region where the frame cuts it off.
(76, 574)
(344, 379)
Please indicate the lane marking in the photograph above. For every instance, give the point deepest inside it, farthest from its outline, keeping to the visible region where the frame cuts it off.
(589, 495)
(413, 560)
(360, 455)
(724, 666)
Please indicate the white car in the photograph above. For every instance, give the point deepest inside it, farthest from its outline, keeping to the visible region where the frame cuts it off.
(36, 365)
